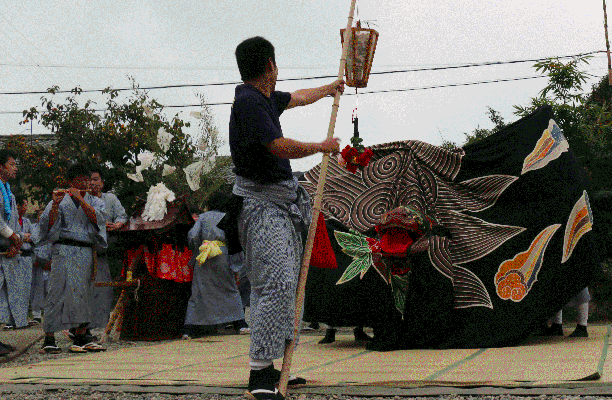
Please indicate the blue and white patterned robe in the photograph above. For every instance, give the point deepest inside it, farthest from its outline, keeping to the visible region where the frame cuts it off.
(15, 278)
(69, 302)
(270, 225)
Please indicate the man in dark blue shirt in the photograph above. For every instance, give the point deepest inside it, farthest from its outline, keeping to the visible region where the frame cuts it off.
(267, 228)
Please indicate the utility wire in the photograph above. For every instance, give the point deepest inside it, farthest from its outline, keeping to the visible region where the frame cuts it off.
(348, 94)
(188, 68)
(469, 65)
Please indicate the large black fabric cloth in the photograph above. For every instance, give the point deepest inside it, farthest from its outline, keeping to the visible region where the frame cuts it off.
(349, 304)
(520, 244)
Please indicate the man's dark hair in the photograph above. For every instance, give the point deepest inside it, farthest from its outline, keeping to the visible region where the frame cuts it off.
(193, 209)
(19, 199)
(219, 200)
(252, 56)
(77, 170)
(5, 154)
(97, 169)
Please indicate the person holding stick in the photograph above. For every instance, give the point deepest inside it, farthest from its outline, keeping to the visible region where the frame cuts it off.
(75, 224)
(116, 217)
(274, 211)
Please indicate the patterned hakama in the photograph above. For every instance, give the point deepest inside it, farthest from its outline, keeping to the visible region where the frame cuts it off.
(269, 232)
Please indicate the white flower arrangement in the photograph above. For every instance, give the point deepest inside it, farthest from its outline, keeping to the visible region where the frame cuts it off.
(168, 170)
(159, 195)
(163, 139)
(156, 207)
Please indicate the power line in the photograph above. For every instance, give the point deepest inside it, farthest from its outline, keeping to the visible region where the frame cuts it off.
(350, 94)
(198, 68)
(468, 65)
(30, 44)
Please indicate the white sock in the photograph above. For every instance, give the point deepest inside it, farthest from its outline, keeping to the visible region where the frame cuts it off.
(583, 313)
(36, 314)
(558, 318)
(257, 365)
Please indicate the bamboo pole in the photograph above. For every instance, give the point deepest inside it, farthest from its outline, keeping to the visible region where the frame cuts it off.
(301, 288)
(607, 44)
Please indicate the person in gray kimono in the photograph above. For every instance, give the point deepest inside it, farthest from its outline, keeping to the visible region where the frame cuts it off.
(14, 294)
(40, 277)
(215, 298)
(115, 219)
(75, 224)
(26, 255)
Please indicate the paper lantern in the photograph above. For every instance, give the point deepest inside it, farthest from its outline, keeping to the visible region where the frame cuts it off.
(360, 55)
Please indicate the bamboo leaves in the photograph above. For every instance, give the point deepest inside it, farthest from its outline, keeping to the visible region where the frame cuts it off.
(355, 245)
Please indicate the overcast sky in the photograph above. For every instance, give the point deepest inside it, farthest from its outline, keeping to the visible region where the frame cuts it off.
(96, 44)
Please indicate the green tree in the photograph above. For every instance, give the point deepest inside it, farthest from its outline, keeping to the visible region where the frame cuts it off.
(115, 138)
(481, 133)
(584, 118)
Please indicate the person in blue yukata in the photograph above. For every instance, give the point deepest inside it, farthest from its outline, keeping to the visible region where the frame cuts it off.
(13, 294)
(74, 223)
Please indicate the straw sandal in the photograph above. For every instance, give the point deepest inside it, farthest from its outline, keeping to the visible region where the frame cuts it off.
(264, 394)
(75, 348)
(50, 349)
(94, 347)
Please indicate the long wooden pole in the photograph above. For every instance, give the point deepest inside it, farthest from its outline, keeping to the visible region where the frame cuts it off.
(316, 209)
(607, 44)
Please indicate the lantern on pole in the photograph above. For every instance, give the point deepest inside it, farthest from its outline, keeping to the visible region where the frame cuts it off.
(362, 46)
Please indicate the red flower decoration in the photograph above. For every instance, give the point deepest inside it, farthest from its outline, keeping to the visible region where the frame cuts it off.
(374, 245)
(395, 242)
(354, 158)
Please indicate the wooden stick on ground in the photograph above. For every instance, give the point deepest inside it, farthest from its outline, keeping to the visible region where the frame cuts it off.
(301, 289)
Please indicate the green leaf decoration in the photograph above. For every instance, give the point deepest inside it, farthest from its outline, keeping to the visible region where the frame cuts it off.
(355, 268)
(355, 246)
(400, 286)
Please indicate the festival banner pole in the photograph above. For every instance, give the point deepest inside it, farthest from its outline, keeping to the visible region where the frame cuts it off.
(316, 209)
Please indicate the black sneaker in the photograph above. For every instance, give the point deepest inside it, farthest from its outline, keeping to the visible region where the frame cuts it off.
(262, 385)
(330, 336)
(580, 331)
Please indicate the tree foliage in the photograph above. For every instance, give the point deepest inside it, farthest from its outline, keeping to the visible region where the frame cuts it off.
(584, 118)
(481, 133)
(112, 138)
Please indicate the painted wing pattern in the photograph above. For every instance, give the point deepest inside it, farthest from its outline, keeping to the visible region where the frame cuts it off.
(421, 176)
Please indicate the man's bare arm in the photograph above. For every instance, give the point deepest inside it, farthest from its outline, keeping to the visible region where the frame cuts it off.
(304, 97)
(290, 148)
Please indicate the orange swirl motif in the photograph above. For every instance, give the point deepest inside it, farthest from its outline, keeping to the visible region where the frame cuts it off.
(512, 286)
(515, 277)
(580, 222)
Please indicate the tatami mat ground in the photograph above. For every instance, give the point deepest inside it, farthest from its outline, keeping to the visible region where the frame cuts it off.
(222, 361)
